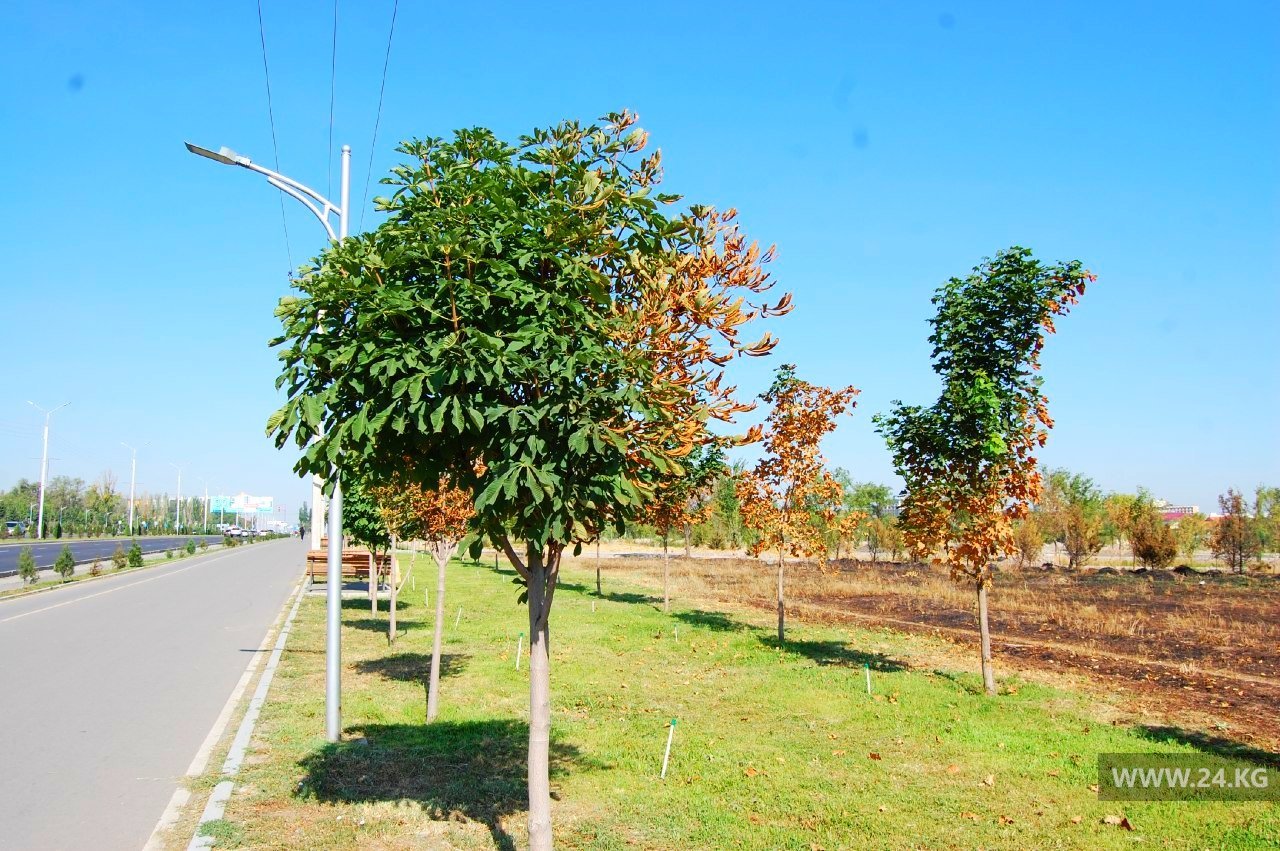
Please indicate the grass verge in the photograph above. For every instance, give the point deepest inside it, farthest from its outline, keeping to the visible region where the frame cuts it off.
(776, 747)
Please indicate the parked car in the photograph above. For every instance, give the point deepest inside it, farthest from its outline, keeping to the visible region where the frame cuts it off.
(15, 528)
(232, 532)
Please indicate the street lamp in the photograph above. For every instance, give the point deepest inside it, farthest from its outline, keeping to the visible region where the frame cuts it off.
(44, 461)
(205, 482)
(133, 480)
(177, 523)
(321, 207)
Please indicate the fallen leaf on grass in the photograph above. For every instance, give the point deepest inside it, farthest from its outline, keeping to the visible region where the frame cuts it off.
(874, 756)
(1006, 820)
(1077, 819)
(883, 808)
(953, 769)
(1093, 787)
(750, 772)
(1117, 821)
(989, 780)
(1054, 772)
(837, 753)
(971, 816)
(753, 818)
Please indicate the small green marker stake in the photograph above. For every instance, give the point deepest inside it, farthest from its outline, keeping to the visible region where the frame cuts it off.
(868, 668)
(666, 757)
(519, 647)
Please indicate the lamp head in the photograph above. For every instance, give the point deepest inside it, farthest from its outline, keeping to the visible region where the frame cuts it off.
(223, 155)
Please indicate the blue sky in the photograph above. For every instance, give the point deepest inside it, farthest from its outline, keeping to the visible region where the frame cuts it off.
(882, 146)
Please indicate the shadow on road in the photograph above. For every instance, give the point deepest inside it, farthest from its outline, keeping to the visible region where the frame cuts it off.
(473, 770)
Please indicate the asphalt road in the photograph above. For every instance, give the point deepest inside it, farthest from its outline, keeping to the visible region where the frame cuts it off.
(108, 689)
(46, 552)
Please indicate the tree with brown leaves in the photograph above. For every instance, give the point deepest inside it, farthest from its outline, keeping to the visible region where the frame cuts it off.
(789, 498)
(968, 461)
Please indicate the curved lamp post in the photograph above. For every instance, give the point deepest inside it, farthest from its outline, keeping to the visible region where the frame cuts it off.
(321, 207)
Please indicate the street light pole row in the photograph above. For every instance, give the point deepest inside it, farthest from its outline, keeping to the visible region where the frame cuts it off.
(321, 207)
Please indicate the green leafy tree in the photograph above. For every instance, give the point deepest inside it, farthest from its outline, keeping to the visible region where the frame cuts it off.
(532, 324)
(1266, 511)
(27, 570)
(1192, 532)
(1082, 515)
(969, 460)
(65, 565)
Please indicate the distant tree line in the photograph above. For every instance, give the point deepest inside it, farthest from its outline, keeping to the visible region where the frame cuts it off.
(74, 508)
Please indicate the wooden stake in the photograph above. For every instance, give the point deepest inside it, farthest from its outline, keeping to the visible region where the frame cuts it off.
(666, 757)
(519, 647)
(458, 619)
(868, 668)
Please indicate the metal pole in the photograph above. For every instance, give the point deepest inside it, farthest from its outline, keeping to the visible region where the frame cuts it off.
(44, 461)
(44, 471)
(333, 620)
(133, 483)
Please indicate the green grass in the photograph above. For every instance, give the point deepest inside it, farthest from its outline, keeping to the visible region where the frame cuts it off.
(772, 747)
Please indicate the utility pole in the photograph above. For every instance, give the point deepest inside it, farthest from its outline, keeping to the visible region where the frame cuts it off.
(205, 482)
(44, 462)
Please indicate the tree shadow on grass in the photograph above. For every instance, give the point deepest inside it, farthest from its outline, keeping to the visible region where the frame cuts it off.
(412, 667)
(717, 621)
(380, 624)
(473, 769)
(615, 597)
(361, 604)
(1205, 743)
(837, 653)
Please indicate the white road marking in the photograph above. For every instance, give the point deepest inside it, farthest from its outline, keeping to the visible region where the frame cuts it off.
(117, 588)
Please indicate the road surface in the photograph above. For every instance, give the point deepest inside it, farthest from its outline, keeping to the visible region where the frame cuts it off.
(108, 689)
(46, 552)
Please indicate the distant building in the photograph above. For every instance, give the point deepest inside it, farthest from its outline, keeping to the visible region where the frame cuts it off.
(1174, 513)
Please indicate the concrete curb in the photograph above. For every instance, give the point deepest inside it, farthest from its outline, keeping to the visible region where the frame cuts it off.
(216, 805)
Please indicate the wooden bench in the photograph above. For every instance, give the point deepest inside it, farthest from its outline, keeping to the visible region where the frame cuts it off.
(355, 564)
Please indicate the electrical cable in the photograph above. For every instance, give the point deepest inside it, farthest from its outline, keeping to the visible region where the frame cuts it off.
(378, 116)
(275, 146)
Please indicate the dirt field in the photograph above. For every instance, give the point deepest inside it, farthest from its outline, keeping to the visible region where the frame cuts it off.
(1199, 652)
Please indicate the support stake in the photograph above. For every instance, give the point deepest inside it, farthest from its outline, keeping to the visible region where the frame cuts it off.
(666, 757)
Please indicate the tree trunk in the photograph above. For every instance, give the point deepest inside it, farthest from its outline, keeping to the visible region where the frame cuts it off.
(984, 631)
(433, 686)
(539, 704)
(666, 572)
(687, 553)
(599, 593)
(395, 585)
(782, 609)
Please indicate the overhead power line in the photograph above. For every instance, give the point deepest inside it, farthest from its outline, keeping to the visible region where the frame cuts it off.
(275, 145)
(386, 60)
(333, 71)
